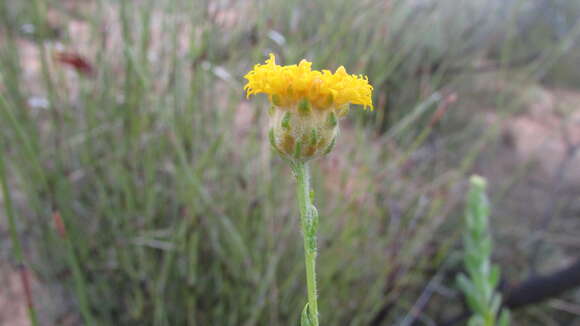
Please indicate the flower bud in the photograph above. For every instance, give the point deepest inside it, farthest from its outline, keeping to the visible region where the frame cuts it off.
(306, 105)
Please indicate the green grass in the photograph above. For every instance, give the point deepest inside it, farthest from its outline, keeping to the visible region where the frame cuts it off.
(177, 211)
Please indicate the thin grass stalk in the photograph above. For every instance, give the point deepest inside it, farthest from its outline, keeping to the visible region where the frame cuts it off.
(16, 243)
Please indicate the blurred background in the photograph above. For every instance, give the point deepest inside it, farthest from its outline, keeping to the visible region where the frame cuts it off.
(139, 187)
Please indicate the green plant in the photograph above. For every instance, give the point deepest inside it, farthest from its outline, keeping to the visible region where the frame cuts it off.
(304, 112)
(479, 285)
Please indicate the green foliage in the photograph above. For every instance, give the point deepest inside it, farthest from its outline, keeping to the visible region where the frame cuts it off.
(480, 284)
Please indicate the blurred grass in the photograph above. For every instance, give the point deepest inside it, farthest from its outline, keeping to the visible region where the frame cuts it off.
(174, 208)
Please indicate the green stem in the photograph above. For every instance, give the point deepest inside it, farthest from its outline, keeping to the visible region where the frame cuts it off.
(309, 221)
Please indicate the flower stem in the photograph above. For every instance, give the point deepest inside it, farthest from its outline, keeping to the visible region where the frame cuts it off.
(309, 221)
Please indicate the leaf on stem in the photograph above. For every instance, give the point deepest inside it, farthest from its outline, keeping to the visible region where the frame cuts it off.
(305, 319)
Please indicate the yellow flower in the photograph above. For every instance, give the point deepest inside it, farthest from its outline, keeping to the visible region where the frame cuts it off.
(324, 90)
(306, 105)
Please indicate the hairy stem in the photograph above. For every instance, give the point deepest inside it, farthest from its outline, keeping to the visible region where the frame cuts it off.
(309, 221)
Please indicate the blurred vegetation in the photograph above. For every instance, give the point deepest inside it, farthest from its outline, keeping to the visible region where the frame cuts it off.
(482, 277)
(142, 180)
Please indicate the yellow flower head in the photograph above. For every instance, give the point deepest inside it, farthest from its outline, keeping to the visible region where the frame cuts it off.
(306, 105)
(324, 90)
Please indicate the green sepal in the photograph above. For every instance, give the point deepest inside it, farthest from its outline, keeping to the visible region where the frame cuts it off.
(273, 142)
(286, 121)
(304, 107)
(272, 139)
(314, 137)
(471, 294)
(298, 149)
(332, 120)
(330, 146)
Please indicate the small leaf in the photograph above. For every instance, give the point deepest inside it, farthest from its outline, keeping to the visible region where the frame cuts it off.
(495, 303)
(494, 276)
(486, 247)
(465, 285)
(475, 305)
(504, 318)
(313, 220)
(471, 262)
(476, 321)
(305, 318)
(485, 267)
